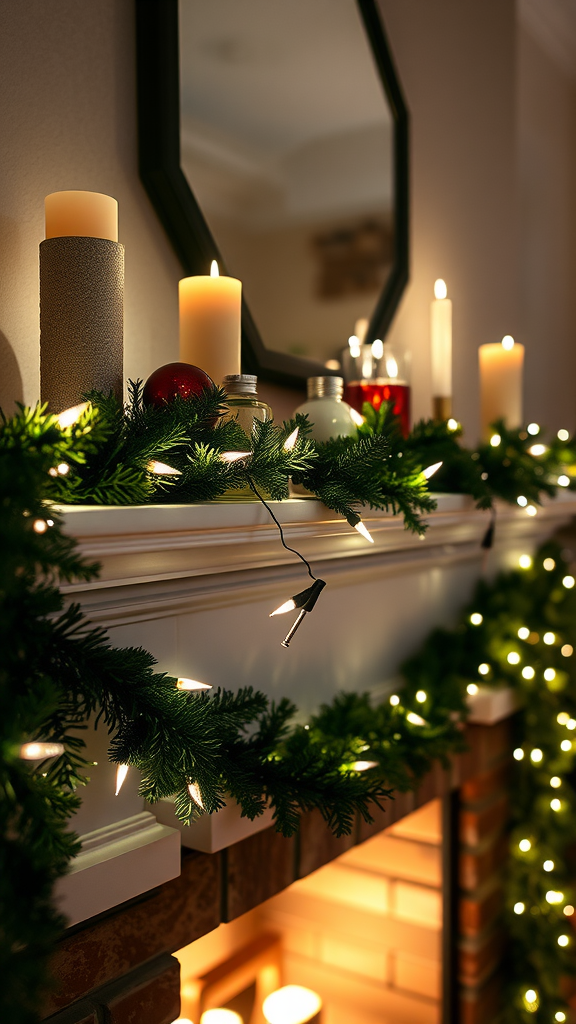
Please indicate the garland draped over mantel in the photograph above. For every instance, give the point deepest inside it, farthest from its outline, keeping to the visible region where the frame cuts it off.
(56, 670)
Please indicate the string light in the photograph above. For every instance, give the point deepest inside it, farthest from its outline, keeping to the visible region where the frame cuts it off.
(571, 724)
(568, 910)
(533, 429)
(531, 1001)
(192, 684)
(305, 601)
(359, 526)
(394, 700)
(357, 418)
(548, 865)
(556, 804)
(290, 442)
(563, 435)
(563, 718)
(536, 755)
(513, 658)
(563, 940)
(523, 633)
(495, 440)
(531, 510)
(567, 650)
(525, 562)
(476, 619)
(538, 449)
(549, 638)
(483, 669)
(452, 424)
(39, 750)
(40, 526)
(194, 790)
(415, 719)
(121, 773)
(60, 470)
(549, 564)
(528, 672)
(161, 469)
(518, 754)
(363, 766)
(71, 416)
(421, 696)
(234, 456)
(549, 674)
(568, 582)
(524, 845)
(555, 782)
(472, 689)
(430, 470)
(519, 908)
(560, 1016)
(566, 745)
(553, 898)
(563, 480)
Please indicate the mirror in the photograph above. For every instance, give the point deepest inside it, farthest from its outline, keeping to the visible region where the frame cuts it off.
(282, 153)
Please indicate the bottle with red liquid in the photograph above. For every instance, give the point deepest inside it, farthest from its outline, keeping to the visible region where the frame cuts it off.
(376, 374)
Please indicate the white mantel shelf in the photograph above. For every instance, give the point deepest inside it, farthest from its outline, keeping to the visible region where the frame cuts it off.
(194, 584)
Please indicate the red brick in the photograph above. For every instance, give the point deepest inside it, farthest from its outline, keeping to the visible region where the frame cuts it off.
(476, 914)
(256, 869)
(482, 1005)
(475, 826)
(477, 867)
(154, 1001)
(488, 784)
(318, 844)
(477, 960)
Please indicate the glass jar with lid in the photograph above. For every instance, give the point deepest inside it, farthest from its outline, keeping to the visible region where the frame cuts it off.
(328, 414)
(245, 407)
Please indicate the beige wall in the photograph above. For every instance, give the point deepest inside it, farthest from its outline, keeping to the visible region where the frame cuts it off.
(67, 120)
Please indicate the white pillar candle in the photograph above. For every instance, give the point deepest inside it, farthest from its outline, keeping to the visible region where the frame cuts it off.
(501, 367)
(210, 319)
(441, 341)
(89, 214)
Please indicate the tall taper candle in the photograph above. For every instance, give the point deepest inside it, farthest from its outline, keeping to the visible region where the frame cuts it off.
(441, 351)
(81, 299)
(501, 367)
(210, 317)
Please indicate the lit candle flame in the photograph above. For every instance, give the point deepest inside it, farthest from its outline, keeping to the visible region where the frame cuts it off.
(121, 773)
(290, 441)
(440, 289)
(214, 271)
(508, 342)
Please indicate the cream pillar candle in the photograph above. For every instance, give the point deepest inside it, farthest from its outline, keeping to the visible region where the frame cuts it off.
(501, 367)
(210, 318)
(89, 214)
(441, 350)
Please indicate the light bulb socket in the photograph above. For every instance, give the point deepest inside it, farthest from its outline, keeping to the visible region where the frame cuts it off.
(306, 599)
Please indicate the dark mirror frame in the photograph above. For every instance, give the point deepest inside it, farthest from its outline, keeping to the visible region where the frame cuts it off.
(158, 75)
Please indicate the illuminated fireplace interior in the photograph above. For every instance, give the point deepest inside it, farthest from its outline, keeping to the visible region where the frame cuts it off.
(364, 933)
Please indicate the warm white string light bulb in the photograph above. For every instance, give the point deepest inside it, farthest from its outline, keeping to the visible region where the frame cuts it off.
(71, 416)
(290, 442)
(121, 773)
(194, 791)
(430, 470)
(161, 469)
(39, 751)
(192, 684)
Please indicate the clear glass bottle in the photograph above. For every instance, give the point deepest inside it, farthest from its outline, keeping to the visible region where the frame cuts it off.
(328, 414)
(245, 407)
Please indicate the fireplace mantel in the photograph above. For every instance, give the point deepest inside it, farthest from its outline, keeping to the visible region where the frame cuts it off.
(195, 585)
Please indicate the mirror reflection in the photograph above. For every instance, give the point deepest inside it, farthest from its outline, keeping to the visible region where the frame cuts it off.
(286, 139)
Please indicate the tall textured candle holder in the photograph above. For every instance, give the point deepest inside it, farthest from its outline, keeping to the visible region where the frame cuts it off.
(81, 318)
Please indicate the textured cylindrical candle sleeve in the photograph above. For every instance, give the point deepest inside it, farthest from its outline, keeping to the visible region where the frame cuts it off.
(81, 318)
(210, 314)
(501, 367)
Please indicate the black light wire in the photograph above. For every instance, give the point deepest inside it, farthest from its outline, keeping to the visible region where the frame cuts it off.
(279, 525)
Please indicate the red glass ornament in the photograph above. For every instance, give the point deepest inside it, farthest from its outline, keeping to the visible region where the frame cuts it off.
(371, 391)
(175, 380)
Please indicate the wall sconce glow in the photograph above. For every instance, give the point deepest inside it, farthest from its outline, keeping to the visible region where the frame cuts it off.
(39, 751)
(472, 689)
(538, 449)
(555, 782)
(214, 271)
(415, 719)
(495, 440)
(518, 754)
(221, 1016)
(519, 908)
(508, 342)
(524, 845)
(525, 562)
(71, 416)
(563, 435)
(194, 790)
(234, 456)
(452, 424)
(528, 672)
(533, 429)
(536, 755)
(357, 418)
(378, 348)
(292, 1004)
(431, 470)
(522, 501)
(549, 638)
(553, 897)
(440, 289)
(192, 684)
(394, 700)
(121, 773)
(290, 441)
(483, 669)
(161, 469)
(354, 344)
(363, 766)
(361, 529)
(563, 480)
(568, 582)
(476, 619)
(548, 865)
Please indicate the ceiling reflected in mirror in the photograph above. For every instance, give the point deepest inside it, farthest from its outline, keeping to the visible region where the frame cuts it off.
(287, 143)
